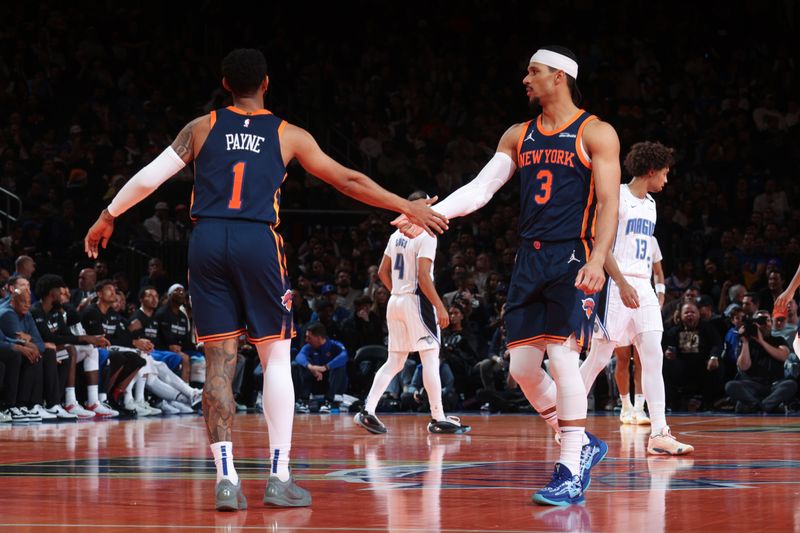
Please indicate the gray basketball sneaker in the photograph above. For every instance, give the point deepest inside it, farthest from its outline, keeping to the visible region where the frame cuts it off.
(229, 497)
(285, 493)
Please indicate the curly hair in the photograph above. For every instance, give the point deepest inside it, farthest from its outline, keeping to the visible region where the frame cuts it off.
(646, 156)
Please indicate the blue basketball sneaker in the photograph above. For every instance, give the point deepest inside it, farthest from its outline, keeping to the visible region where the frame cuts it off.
(564, 488)
(591, 454)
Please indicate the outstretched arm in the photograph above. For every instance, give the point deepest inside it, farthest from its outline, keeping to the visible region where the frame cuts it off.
(298, 143)
(481, 189)
(783, 299)
(143, 183)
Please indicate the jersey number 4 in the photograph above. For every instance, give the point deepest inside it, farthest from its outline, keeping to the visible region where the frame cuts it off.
(546, 186)
(238, 177)
(399, 265)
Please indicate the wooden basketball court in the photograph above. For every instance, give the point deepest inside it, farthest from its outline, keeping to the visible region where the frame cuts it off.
(154, 474)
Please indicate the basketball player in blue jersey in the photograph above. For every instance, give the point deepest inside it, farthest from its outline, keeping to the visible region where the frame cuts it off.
(569, 182)
(237, 266)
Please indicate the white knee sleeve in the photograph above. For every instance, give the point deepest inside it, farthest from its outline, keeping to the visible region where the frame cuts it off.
(571, 392)
(89, 355)
(526, 369)
(652, 357)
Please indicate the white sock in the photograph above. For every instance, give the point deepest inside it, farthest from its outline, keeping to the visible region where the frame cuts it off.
(223, 460)
(432, 382)
(92, 396)
(129, 391)
(394, 364)
(638, 402)
(101, 396)
(571, 444)
(552, 419)
(69, 396)
(278, 395)
(651, 356)
(626, 402)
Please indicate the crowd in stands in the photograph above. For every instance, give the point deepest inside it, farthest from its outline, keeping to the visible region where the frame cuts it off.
(87, 97)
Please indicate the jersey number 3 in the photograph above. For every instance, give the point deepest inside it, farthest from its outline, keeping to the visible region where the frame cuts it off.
(546, 186)
(238, 176)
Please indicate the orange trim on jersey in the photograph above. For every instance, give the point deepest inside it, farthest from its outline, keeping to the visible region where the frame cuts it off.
(212, 120)
(270, 338)
(276, 204)
(248, 113)
(537, 339)
(579, 142)
(281, 128)
(561, 128)
(191, 204)
(522, 138)
(585, 224)
(221, 336)
(278, 247)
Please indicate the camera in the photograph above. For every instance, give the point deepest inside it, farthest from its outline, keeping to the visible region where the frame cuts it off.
(751, 325)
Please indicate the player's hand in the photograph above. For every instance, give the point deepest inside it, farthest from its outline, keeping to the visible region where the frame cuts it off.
(99, 341)
(24, 336)
(143, 345)
(713, 364)
(629, 296)
(406, 227)
(782, 301)
(99, 233)
(442, 316)
(590, 278)
(419, 212)
(50, 346)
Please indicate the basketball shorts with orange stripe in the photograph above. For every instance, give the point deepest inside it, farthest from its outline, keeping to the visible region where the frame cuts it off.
(543, 305)
(238, 282)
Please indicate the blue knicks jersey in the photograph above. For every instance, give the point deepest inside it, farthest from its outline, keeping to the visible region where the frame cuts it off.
(556, 185)
(239, 170)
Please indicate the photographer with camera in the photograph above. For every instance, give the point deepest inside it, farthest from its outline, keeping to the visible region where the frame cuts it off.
(760, 384)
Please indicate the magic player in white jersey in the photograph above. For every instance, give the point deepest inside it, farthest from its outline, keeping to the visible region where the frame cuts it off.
(631, 311)
(414, 315)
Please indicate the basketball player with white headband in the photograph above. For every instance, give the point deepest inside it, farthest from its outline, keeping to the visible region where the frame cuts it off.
(568, 162)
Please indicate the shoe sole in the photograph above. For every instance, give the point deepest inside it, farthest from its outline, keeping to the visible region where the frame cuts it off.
(459, 431)
(282, 502)
(235, 503)
(662, 451)
(374, 431)
(541, 500)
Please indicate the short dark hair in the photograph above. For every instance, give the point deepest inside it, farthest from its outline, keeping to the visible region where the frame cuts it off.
(572, 83)
(244, 69)
(12, 281)
(47, 283)
(317, 329)
(417, 195)
(145, 289)
(100, 285)
(646, 156)
(753, 296)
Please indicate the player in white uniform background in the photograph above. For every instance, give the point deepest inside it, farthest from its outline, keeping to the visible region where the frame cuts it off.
(631, 312)
(414, 314)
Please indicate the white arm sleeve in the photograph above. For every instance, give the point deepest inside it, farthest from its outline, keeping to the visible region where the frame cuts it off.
(480, 190)
(144, 182)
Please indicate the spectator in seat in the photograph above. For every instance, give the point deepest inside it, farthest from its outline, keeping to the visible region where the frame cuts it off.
(692, 366)
(775, 286)
(83, 295)
(322, 366)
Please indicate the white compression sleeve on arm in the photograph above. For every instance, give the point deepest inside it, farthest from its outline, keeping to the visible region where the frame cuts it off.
(144, 182)
(480, 190)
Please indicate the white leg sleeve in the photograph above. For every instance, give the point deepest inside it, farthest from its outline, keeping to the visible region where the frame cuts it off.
(278, 395)
(161, 389)
(384, 375)
(89, 355)
(599, 356)
(526, 369)
(652, 357)
(168, 376)
(432, 381)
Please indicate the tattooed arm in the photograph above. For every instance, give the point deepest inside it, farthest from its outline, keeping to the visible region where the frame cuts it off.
(219, 407)
(147, 180)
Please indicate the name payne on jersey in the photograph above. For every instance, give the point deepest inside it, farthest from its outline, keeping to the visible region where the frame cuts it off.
(555, 156)
(244, 141)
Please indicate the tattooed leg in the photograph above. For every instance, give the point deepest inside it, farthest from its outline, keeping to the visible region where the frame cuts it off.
(219, 406)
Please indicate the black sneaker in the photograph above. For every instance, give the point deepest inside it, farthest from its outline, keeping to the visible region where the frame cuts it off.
(370, 422)
(121, 409)
(451, 425)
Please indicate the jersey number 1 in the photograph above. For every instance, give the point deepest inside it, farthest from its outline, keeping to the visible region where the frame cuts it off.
(238, 176)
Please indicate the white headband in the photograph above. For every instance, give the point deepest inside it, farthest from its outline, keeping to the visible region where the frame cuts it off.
(556, 60)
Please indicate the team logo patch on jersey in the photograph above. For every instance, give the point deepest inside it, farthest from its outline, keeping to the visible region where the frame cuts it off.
(588, 306)
(247, 123)
(286, 300)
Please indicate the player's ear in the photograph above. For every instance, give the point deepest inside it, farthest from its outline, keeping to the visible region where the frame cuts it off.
(265, 84)
(225, 84)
